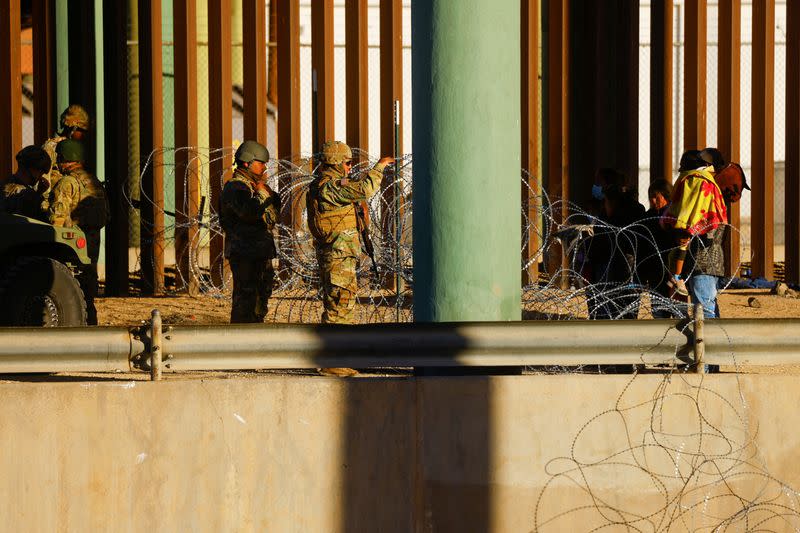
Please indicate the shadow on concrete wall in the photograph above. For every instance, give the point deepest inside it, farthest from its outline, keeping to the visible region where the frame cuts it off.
(443, 477)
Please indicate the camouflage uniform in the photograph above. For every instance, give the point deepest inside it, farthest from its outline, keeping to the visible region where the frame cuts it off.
(20, 199)
(248, 216)
(78, 199)
(332, 220)
(73, 116)
(53, 175)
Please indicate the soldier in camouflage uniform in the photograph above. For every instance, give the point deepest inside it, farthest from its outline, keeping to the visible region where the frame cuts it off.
(75, 125)
(331, 202)
(78, 199)
(24, 192)
(249, 210)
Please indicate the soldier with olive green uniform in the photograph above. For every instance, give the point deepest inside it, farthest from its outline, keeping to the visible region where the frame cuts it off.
(23, 193)
(75, 125)
(78, 199)
(249, 210)
(331, 202)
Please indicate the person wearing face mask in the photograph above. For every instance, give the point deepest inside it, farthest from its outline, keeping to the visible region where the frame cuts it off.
(611, 253)
(698, 218)
(23, 193)
(248, 212)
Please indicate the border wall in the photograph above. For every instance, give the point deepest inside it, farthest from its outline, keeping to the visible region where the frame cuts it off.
(300, 453)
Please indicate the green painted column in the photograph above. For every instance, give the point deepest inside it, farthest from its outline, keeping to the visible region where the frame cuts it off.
(466, 142)
(100, 108)
(168, 91)
(100, 101)
(62, 60)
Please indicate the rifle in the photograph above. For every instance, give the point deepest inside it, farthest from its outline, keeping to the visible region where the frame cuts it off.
(137, 204)
(362, 223)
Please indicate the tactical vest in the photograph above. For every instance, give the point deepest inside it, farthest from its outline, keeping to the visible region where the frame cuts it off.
(245, 238)
(324, 224)
(91, 212)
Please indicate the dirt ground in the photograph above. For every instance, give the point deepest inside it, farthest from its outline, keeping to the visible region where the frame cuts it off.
(182, 309)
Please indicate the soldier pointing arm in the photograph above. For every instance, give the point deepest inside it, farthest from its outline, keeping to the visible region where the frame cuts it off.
(332, 220)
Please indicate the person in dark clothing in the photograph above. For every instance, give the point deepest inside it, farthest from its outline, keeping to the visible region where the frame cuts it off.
(656, 244)
(249, 212)
(23, 193)
(612, 251)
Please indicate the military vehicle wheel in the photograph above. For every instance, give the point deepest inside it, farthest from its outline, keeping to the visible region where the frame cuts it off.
(39, 291)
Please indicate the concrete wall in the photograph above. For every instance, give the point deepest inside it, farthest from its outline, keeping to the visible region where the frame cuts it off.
(300, 453)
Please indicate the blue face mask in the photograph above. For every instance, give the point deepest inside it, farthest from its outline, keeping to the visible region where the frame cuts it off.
(597, 192)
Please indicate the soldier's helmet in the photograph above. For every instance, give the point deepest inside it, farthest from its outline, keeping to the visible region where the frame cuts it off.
(252, 151)
(70, 150)
(34, 157)
(75, 116)
(335, 153)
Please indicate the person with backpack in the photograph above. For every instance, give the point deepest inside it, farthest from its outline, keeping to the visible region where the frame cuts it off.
(78, 199)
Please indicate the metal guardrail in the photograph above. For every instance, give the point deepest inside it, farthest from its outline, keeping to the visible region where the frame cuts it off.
(546, 343)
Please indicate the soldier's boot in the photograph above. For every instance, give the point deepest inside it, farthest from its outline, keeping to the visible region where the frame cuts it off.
(339, 303)
(338, 372)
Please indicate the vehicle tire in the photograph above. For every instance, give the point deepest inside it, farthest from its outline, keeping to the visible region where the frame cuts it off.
(39, 291)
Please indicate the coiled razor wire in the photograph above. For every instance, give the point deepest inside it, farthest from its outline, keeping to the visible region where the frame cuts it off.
(703, 477)
(569, 290)
(296, 294)
(663, 465)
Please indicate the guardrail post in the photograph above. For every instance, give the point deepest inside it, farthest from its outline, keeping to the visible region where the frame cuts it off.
(699, 347)
(155, 346)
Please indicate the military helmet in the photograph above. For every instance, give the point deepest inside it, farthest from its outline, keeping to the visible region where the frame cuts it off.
(70, 150)
(75, 116)
(252, 151)
(34, 157)
(335, 153)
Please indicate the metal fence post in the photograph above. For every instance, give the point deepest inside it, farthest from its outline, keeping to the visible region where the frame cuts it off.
(155, 346)
(699, 346)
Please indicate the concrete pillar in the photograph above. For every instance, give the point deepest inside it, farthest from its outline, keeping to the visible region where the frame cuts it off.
(466, 105)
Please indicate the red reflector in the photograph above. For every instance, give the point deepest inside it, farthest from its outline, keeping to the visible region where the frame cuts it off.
(81, 242)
